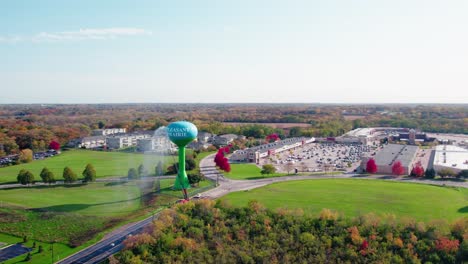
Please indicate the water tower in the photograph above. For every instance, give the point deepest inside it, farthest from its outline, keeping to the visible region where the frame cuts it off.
(182, 133)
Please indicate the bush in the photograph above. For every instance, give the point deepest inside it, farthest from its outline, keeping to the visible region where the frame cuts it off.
(446, 173)
(195, 178)
(268, 169)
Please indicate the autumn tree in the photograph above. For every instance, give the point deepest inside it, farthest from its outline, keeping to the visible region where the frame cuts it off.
(7, 145)
(221, 161)
(397, 168)
(371, 166)
(69, 175)
(54, 145)
(25, 156)
(89, 173)
(272, 138)
(47, 176)
(417, 171)
(268, 169)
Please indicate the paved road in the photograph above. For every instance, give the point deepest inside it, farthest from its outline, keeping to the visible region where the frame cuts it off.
(103, 249)
(108, 246)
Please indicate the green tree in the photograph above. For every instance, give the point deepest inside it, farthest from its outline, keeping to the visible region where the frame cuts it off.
(47, 176)
(25, 177)
(69, 176)
(142, 171)
(463, 174)
(268, 169)
(430, 173)
(132, 174)
(89, 173)
(159, 169)
(25, 156)
(101, 124)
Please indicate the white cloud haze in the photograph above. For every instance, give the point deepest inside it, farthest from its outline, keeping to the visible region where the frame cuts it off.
(82, 34)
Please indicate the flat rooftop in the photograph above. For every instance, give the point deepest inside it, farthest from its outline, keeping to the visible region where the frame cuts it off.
(393, 152)
(451, 156)
(359, 132)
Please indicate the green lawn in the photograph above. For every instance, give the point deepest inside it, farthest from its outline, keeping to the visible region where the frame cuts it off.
(352, 197)
(248, 172)
(98, 198)
(105, 163)
(73, 214)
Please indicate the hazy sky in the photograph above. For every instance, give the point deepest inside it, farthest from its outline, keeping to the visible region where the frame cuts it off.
(218, 51)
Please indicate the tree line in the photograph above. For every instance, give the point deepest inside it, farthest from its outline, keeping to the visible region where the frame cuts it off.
(33, 127)
(214, 232)
(26, 177)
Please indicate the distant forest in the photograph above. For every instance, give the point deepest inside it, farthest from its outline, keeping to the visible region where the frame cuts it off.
(34, 126)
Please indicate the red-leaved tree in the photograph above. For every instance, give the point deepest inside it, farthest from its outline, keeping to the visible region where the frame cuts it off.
(221, 161)
(54, 145)
(447, 245)
(371, 166)
(397, 168)
(418, 170)
(272, 138)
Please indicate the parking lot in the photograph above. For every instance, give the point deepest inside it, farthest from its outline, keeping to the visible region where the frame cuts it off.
(13, 251)
(318, 157)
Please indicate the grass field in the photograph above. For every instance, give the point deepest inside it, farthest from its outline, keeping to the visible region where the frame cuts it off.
(248, 172)
(252, 172)
(72, 214)
(105, 163)
(352, 197)
(98, 199)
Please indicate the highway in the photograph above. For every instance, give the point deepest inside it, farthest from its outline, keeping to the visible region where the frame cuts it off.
(108, 246)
